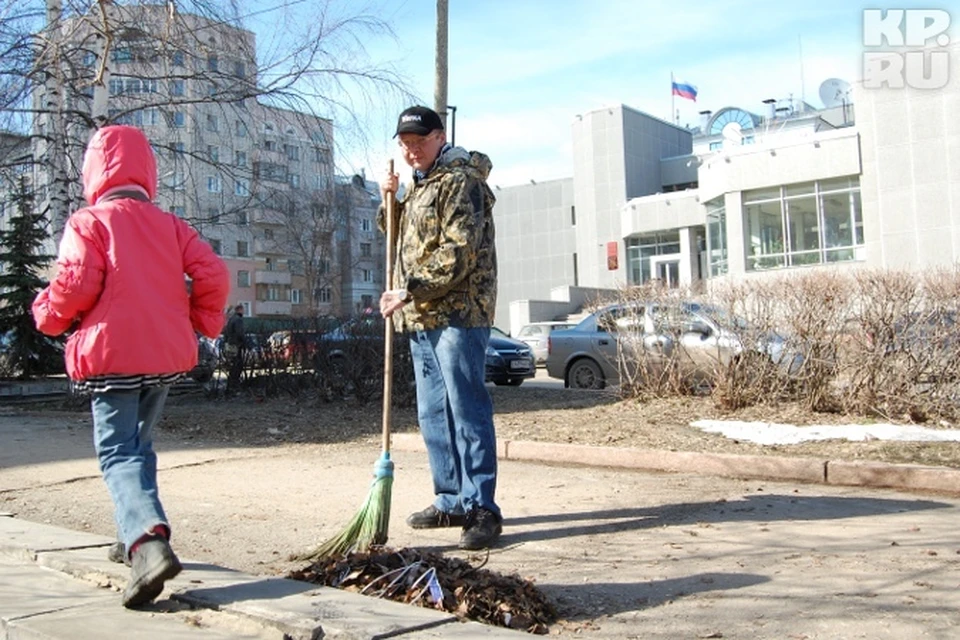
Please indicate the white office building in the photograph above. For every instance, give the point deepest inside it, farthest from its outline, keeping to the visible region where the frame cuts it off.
(872, 179)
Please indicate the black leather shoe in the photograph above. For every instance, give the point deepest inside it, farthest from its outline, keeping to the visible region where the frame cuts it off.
(153, 563)
(481, 529)
(118, 553)
(433, 518)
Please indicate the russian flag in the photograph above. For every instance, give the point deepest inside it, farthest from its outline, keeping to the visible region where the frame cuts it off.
(684, 90)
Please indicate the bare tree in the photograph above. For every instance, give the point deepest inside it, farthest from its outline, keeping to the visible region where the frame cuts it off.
(186, 64)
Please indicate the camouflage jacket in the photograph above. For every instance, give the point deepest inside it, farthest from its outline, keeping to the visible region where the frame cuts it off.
(446, 257)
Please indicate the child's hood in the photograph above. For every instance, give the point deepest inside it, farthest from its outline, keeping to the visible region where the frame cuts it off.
(118, 156)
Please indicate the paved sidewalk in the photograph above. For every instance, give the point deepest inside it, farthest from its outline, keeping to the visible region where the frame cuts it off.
(57, 584)
(627, 551)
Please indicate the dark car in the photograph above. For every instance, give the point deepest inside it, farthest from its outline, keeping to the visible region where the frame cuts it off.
(207, 356)
(509, 361)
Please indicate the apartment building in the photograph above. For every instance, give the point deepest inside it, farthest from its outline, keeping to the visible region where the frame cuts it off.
(254, 176)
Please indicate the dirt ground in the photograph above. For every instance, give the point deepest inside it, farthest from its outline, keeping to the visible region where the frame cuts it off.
(249, 481)
(538, 414)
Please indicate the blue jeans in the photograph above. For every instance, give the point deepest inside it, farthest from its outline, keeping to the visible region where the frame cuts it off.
(456, 416)
(123, 424)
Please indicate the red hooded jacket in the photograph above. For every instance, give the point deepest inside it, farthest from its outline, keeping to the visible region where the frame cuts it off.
(120, 271)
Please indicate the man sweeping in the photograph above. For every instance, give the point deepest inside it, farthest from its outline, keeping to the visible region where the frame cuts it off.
(443, 294)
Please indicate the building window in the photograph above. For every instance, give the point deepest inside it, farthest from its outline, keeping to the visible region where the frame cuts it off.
(213, 184)
(803, 224)
(179, 119)
(241, 187)
(177, 88)
(240, 158)
(641, 248)
(365, 249)
(240, 129)
(366, 275)
(178, 210)
(268, 234)
(573, 215)
(213, 153)
(243, 278)
(295, 296)
(292, 151)
(178, 181)
(294, 180)
(213, 63)
(239, 69)
(177, 58)
(243, 250)
(717, 263)
(212, 124)
(365, 224)
(324, 294)
(122, 54)
(216, 246)
(178, 148)
(242, 218)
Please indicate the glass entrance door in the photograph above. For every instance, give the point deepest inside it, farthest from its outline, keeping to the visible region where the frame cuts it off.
(666, 269)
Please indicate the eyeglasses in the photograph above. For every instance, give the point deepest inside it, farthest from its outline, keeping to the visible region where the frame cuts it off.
(417, 143)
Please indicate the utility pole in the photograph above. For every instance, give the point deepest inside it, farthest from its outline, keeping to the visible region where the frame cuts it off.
(440, 84)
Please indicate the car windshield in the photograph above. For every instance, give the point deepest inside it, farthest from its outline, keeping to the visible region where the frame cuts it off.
(720, 316)
(498, 333)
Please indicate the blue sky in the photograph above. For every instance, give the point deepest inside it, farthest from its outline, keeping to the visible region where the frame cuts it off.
(521, 70)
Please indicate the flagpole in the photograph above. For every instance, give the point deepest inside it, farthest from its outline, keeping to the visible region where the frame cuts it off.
(673, 98)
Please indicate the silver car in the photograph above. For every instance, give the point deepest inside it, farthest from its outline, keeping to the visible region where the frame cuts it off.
(697, 337)
(536, 335)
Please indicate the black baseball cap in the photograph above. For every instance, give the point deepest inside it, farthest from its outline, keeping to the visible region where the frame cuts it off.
(418, 120)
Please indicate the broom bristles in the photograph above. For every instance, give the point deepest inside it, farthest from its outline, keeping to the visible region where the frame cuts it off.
(370, 526)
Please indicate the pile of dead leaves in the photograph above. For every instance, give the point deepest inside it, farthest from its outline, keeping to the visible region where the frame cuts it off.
(432, 580)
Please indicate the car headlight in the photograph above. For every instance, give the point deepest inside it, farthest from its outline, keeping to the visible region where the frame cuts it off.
(492, 353)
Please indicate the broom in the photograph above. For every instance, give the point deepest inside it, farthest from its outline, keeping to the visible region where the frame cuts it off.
(370, 525)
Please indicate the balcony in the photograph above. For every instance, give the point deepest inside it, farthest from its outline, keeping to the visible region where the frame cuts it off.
(267, 246)
(268, 308)
(272, 277)
(268, 216)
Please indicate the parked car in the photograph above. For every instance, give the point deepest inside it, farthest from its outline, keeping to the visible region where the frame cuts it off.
(697, 336)
(537, 334)
(509, 361)
(207, 357)
(924, 343)
(293, 347)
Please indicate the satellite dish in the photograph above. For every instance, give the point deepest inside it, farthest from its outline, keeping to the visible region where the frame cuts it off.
(732, 134)
(835, 93)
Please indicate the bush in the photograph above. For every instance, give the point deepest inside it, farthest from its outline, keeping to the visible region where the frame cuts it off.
(878, 343)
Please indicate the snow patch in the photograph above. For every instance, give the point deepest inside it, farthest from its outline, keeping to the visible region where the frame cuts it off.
(773, 433)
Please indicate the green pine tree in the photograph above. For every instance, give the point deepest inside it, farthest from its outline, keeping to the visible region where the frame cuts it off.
(25, 352)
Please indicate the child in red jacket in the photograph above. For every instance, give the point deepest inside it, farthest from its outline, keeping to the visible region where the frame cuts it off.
(120, 286)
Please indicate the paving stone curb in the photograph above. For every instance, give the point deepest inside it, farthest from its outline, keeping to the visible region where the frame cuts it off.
(53, 579)
(833, 472)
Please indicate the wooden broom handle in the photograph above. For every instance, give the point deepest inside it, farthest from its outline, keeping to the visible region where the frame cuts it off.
(388, 322)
